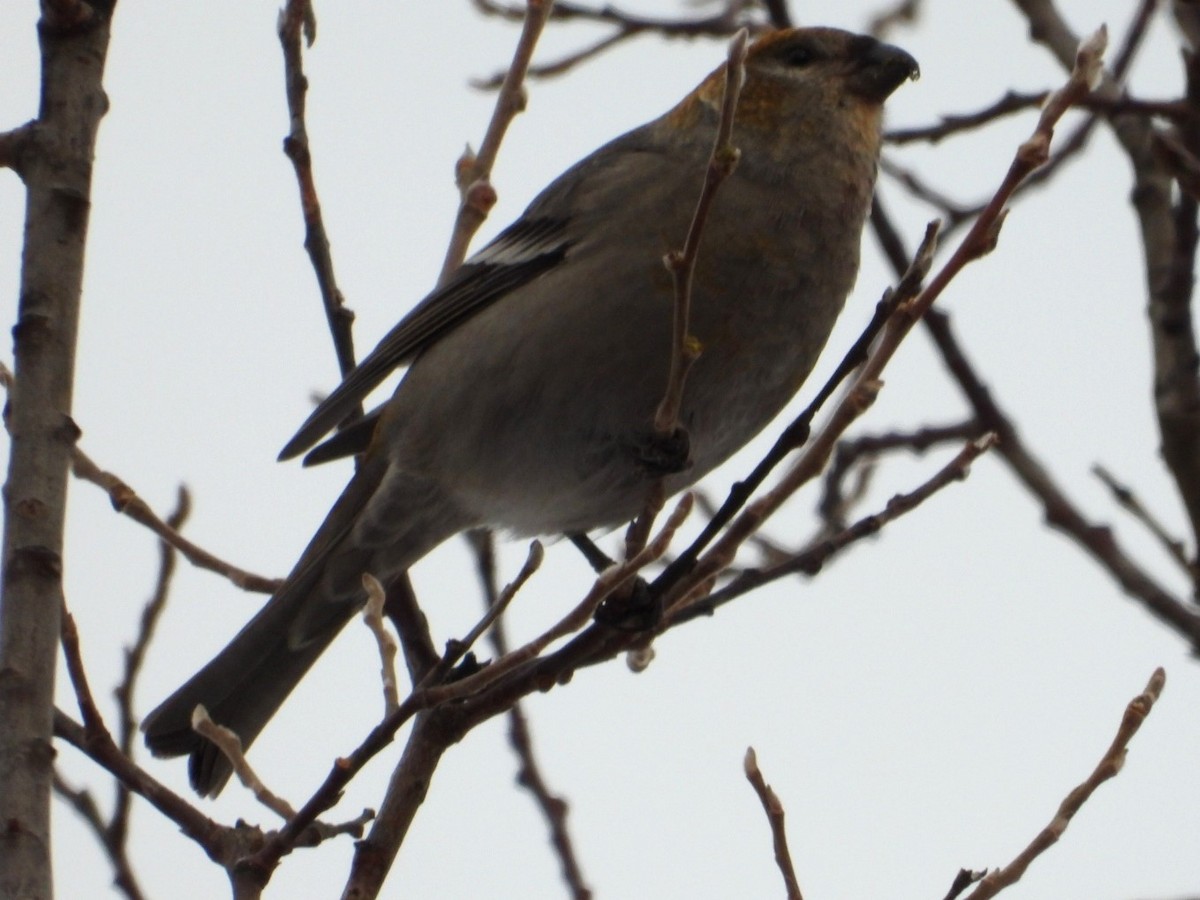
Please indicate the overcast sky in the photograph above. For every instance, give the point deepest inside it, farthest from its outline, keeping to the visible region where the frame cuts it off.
(923, 705)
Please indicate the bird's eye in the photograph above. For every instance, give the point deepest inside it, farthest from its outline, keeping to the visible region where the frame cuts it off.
(799, 57)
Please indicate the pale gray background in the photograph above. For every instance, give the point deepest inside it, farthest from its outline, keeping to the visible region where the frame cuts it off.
(924, 705)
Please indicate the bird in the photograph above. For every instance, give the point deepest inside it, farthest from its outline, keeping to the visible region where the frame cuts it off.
(533, 373)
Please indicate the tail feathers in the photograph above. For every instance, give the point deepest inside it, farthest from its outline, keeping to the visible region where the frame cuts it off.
(241, 688)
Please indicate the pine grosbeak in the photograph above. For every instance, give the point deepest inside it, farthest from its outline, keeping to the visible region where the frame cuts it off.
(534, 372)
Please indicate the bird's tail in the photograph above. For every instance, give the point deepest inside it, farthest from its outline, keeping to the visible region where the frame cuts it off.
(243, 686)
(247, 682)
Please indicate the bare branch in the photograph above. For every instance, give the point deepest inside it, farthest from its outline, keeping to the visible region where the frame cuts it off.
(126, 501)
(1133, 40)
(373, 617)
(553, 807)
(811, 560)
(474, 171)
(1167, 253)
(608, 582)
(852, 452)
(952, 212)
(56, 169)
(1011, 102)
(1060, 511)
(1014, 102)
(563, 64)
(118, 826)
(1129, 501)
(734, 15)
(963, 880)
(682, 264)
(904, 12)
(797, 432)
(82, 801)
(415, 639)
(456, 650)
(446, 722)
(777, 11)
(227, 741)
(297, 18)
(774, 809)
(1111, 763)
(94, 739)
(1181, 164)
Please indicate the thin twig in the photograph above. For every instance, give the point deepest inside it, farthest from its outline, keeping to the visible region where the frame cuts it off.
(777, 11)
(816, 453)
(1060, 511)
(1129, 501)
(428, 695)
(953, 213)
(474, 170)
(82, 801)
(1134, 39)
(295, 20)
(734, 15)
(1015, 102)
(1110, 764)
(693, 588)
(373, 617)
(774, 809)
(608, 582)
(228, 847)
(566, 63)
(953, 123)
(963, 880)
(796, 433)
(1176, 383)
(405, 613)
(94, 739)
(1182, 165)
(811, 560)
(682, 263)
(835, 503)
(118, 826)
(554, 808)
(639, 529)
(457, 649)
(1032, 154)
(126, 501)
(441, 721)
(227, 741)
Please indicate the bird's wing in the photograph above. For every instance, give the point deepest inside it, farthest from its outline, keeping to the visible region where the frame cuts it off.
(568, 208)
(518, 255)
(349, 440)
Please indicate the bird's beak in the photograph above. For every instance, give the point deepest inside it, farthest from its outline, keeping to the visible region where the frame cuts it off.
(881, 68)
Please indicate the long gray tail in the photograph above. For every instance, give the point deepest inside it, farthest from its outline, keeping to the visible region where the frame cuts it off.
(243, 686)
(248, 681)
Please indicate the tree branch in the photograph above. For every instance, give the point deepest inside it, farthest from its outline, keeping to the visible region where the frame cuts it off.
(297, 18)
(474, 171)
(1111, 763)
(56, 167)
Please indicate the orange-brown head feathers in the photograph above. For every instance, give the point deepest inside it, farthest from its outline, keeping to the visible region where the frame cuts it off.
(804, 74)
